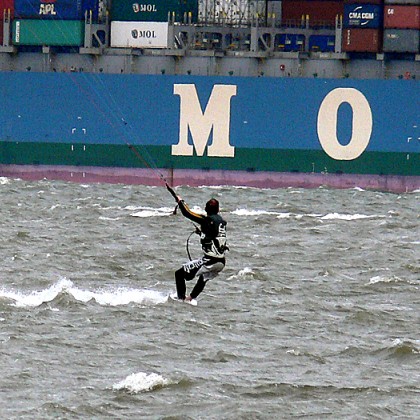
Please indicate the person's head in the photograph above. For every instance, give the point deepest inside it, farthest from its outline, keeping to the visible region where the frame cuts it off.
(212, 206)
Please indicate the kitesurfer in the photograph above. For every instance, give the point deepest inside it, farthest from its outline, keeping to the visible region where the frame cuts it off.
(212, 230)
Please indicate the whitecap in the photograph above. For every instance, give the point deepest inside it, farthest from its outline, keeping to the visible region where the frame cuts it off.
(384, 279)
(125, 296)
(338, 216)
(245, 271)
(283, 215)
(245, 212)
(411, 346)
(294, 352)
(213, 187)
(140, 382)
(112, 297)
(4, 180)
(109, 219)
(242, 273)
(37, 298)
(118, 296)
(313, 215)
(152, 212)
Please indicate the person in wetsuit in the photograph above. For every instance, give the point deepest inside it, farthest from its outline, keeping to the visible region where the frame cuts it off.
(213, 244)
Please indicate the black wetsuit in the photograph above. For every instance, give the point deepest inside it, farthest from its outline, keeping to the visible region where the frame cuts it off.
(213, 243)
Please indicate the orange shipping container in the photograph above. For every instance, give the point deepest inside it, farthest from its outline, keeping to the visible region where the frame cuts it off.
(402, 17)
(362, 40)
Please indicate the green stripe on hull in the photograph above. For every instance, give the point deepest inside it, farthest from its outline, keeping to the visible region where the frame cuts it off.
(277, 160)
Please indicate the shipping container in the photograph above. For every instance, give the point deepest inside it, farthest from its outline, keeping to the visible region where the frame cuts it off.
(362, 40)
(322, 43)
(402, 17)
(403, 2)
(7, 5)
(153, 10)
(6, 9)
(289, 42)
(363, 1)
(320, 13)
(362, 16)
(401, 40)
(55, 9)
(48, 32)
(139, 34)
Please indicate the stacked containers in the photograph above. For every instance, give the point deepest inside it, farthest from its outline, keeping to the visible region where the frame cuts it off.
(6, 10)
(52, 22)
(402, 27)
(145, 25)
(362, 23)
(321, 14)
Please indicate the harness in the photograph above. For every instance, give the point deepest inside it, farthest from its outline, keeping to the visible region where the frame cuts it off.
(187, 245)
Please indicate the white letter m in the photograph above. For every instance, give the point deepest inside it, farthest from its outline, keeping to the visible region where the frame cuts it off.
(216, 117)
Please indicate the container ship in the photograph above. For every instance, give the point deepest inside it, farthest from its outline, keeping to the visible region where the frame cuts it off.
(212, 92)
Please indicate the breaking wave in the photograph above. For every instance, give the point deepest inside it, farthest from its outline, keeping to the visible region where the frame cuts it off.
(401, 348)
(391, 279)
(285, 215)
(111, 297)
(141, 382)
(152, 212)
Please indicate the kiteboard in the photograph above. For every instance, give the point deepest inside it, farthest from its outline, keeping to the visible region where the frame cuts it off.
(174, 297)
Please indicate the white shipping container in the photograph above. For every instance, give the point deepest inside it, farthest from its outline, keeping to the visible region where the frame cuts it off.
(139, 34)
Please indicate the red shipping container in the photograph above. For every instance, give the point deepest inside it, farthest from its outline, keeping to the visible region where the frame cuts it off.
(362, 40)
(319, 12)
(7, 4)
(363, 1)
(402, 17)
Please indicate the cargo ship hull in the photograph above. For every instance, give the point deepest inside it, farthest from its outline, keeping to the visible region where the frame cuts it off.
(211, 130)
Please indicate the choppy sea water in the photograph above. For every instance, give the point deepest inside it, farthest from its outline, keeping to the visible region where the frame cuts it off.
(317, 313)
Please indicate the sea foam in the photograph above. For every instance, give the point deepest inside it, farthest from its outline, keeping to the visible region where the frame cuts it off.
(110, 297)
(140, 382)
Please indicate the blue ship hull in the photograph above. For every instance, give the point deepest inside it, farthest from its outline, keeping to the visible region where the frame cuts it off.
(207, 129)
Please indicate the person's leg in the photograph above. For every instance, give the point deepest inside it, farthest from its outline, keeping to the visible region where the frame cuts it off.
(186, 273)
(205, 274)
(198, 288)
(180, 283)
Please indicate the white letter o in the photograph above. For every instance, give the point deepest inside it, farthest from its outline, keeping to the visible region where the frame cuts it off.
(327, 124)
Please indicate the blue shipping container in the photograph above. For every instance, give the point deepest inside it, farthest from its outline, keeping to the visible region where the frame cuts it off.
(322, 43)
(55, 9)
(290, 42)
(363, 16)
